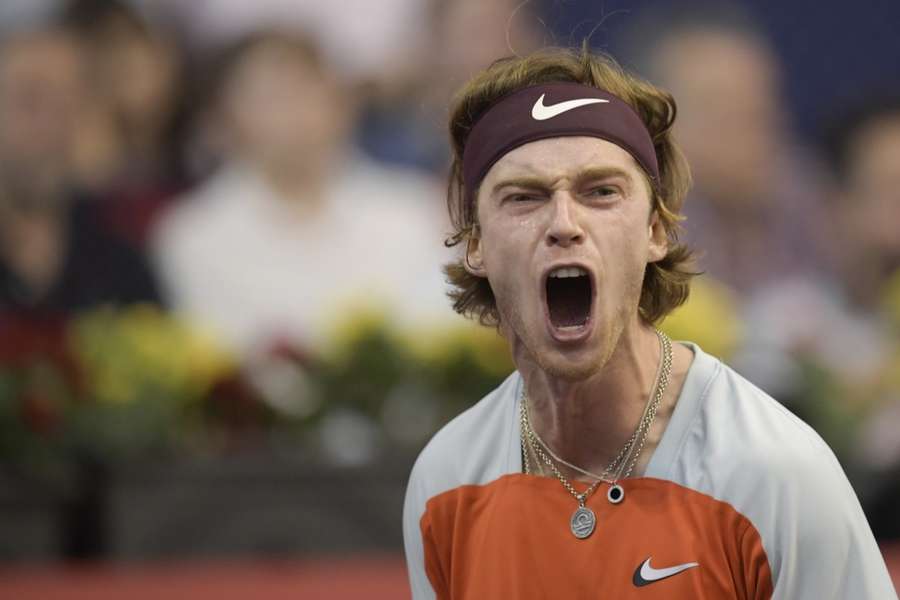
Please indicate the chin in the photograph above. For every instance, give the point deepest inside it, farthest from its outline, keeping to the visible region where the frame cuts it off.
(570, 368)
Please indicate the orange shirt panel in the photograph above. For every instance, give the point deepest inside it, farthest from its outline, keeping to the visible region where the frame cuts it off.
(511, 539)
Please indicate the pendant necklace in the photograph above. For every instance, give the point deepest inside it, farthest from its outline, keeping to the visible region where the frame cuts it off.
(583, 521)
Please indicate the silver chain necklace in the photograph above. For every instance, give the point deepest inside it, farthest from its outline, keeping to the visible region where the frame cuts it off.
(583, 521)
(617, 463)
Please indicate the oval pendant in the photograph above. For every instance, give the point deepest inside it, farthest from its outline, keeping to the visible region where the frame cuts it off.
(583, 522)
(615, 494)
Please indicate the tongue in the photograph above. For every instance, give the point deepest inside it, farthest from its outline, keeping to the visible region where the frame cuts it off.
(569, 300)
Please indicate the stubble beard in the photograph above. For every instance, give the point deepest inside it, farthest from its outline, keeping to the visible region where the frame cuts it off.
(527, 344)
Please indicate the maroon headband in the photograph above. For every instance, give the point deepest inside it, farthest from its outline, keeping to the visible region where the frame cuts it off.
(554, 110)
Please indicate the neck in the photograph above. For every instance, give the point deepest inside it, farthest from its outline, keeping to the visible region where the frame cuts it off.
(298, 187)
(32, 245)
(587, 422)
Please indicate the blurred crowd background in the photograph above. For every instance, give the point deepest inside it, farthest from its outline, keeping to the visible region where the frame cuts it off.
(223, 324)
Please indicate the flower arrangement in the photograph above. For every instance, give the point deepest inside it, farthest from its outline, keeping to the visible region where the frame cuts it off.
(118, 385)
(111, 386)
(409, 382)
(710, 317)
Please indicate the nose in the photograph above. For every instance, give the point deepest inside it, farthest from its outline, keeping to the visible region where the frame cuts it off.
(564, 229)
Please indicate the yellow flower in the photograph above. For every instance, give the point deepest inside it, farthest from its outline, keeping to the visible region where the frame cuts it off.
(358, 320)
(142, 350)
(709, 317)
(439, 345)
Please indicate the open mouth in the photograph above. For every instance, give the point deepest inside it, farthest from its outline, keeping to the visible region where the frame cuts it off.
(569, 297)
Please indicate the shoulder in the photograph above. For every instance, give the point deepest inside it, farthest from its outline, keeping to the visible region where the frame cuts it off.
(203, 229)
(792, 489)
(732, 424)
(744, 448)
(776, 456)
(205, 209)
(735, 442)
(763, 437)
(474, 448)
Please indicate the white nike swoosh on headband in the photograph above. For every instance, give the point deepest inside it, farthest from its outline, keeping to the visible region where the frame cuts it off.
(539, 112)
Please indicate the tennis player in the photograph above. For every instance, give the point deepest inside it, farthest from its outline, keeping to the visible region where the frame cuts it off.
(614, 463)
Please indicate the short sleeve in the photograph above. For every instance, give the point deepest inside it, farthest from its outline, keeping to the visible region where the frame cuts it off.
(414, 535)
(825, 547)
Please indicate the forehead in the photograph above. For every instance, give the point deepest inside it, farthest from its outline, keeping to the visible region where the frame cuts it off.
(562, 157)
(46, 55)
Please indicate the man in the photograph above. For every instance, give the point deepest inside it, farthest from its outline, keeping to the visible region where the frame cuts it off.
(756, 207)
(862, 145)
(863, 150)
(56, 254)
(613, 463)
(277, 245)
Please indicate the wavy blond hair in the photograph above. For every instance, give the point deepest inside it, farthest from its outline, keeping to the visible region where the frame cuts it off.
(666, 282)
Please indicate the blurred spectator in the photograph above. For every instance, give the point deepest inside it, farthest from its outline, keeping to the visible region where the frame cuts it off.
(129, 151)
(295, 224)
(863, 147)
(404, 122)
(756, 212)
(359, 39)
(758, 209)
(54, 254)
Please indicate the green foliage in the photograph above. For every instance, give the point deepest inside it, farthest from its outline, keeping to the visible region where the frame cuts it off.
(118, 386)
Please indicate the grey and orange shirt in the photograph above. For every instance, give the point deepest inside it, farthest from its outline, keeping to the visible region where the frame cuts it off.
(737, 485)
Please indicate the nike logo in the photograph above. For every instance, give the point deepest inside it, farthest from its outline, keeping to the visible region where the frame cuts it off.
(645, 574)
(540, 112)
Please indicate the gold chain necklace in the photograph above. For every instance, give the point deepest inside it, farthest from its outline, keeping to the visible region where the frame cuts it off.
(617, 463)
(583, 521)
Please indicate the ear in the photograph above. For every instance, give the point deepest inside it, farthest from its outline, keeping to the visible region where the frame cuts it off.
(659, 241)
(474, 260)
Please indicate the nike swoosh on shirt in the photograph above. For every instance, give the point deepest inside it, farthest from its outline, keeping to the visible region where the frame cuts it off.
(540, 112)
(645, 574)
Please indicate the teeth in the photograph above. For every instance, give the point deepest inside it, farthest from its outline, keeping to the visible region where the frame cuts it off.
(563, 272)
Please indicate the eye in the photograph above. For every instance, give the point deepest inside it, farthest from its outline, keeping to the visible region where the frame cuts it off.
(603, 191)
(521, 198)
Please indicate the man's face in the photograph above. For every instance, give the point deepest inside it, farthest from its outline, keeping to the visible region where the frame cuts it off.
(552, 209)
(41, 91)
(870, 205)
(282, 110)
(729, 115)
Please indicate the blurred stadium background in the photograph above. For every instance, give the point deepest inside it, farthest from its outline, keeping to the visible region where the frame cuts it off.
(223, 336)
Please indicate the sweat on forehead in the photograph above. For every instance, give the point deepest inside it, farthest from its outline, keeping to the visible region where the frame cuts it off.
(554, 110)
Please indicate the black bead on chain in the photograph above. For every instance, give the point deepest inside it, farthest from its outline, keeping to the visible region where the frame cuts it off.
(615, 494)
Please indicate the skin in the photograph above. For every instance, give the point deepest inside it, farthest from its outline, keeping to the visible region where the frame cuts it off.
(42, 92)
(576, 201)
(288, 119)
(867, 207)
(742, 75)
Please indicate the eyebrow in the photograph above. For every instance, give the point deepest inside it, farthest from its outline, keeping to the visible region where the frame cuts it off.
(542, 184)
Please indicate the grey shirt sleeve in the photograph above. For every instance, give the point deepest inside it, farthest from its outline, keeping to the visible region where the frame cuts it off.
(413, 509)
(822, 545)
